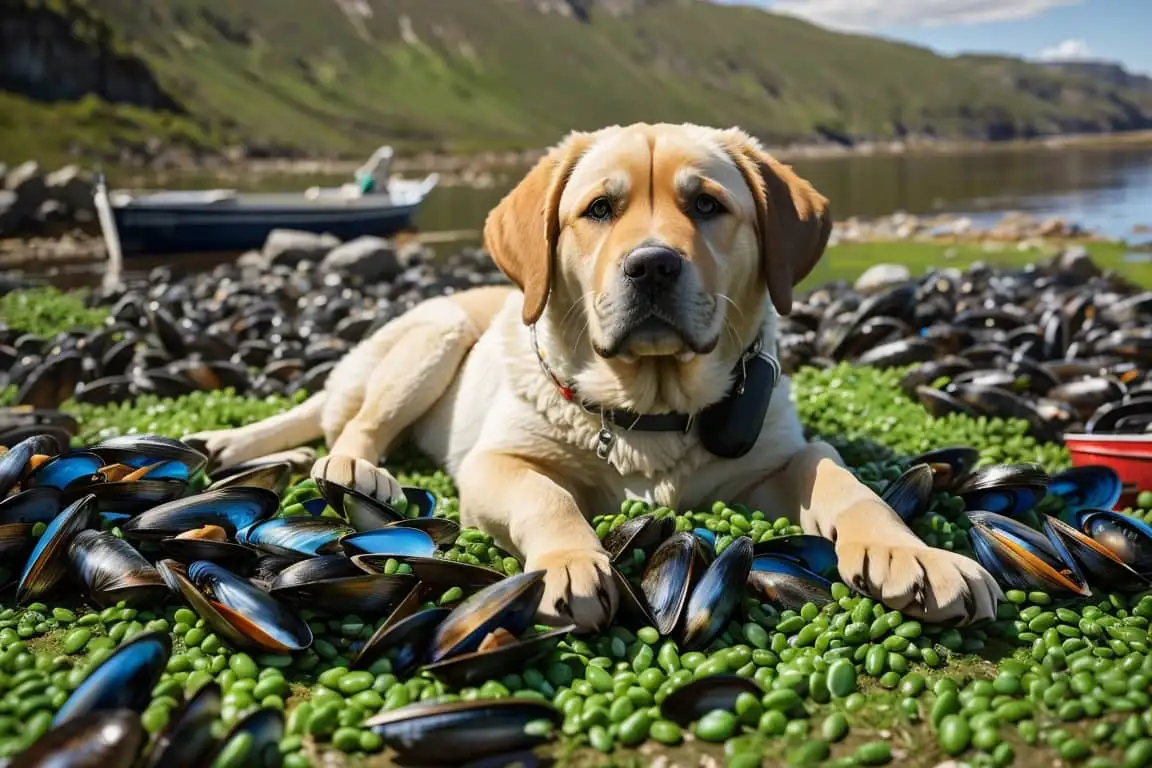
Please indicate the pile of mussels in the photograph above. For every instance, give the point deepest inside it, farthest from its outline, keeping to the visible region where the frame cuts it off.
(122, 521)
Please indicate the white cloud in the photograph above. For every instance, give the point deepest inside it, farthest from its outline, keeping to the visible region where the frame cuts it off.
(1072, 49)
(863, 15)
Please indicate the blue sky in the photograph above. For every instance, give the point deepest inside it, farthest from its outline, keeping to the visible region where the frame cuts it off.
(1113, 30)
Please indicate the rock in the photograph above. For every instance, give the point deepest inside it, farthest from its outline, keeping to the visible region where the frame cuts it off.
(289, 247)
(71, 187)
(27, 182)
(1076, 260)
(881, 275)
(371, 258)
(252, 260)
(52, 218)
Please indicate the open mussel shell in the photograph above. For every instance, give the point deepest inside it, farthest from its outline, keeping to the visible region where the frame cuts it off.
(405, 636)
(19, 514)
(101, 739)
(442, 530)
(274, 477)
(142, 450)
(693, 700)
(815, 553)
(949, 465)
(1128, 538)
(707, 541)
(910, 493)
(351, 592)
(366, 513)
(669, 577)
(112, 570)
(940, 404)
(260, 732)
(1094, 486)
(48, 562)
(438, 733)
(509, 604)
(14, 463)
(474, 668)
(633, 610)
(1101, 566)
(1006, 489)
(435, 571)
(242, 613)
(784, 581)
(297, 537)
(124, 680)
(394, 541)
(1022, 557)
(64, 470)
(232, 509)
(234, 557)
(717, 595)
(187, 740)
(644, 532)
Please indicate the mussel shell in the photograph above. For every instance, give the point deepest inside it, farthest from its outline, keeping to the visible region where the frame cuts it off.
(124, 680)
(440, 733)
(101, 739)
(265, 727)
(669, 577)
(442, 530)
(187, 740)
(48, 562)
(363, 594)
(1128, 538)
(509, 604)
(112, 570)
(391, 541)
(949, 465)
(53, 382)
(19, 514)
(142, 450)
(132, 496)
(298, 537)
(940, 404)
(910, 493)
(474, 668)
(1094, 486)
(234, 557)
(275, 477)
(1022, 557)
(787, 583)
(1101, 566)
(363, 512)
(716, 596)
(406, 635)
(1007, 489)
(316, 569)
(435, 571)
(1109, 416)
(644, 532)
(633, 610)
(14, 462)
(64, 470)
(232, 509)
(691, 701)
(813, 552)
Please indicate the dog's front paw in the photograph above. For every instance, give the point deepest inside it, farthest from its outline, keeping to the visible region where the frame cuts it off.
(362, 475)
(223, 447)
(920, 581)
(578, 588)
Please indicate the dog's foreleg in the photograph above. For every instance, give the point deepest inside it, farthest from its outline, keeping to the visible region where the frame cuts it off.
(290, 429)
(533, 516)
(877, 553)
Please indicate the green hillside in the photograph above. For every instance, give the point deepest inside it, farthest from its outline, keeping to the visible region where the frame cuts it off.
(342, 76)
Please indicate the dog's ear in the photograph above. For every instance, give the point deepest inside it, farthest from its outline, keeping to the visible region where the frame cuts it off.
(793, 219)
(521, 231)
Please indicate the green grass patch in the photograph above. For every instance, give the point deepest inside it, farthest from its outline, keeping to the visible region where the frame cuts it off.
(47, 311)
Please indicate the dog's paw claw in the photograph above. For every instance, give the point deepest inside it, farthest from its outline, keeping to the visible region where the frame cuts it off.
(362, 475)
(578, 588)
(920, 581)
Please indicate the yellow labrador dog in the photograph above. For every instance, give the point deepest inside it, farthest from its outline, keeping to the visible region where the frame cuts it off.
(651, 263)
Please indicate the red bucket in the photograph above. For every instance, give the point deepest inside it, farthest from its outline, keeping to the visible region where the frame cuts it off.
(1129, 455)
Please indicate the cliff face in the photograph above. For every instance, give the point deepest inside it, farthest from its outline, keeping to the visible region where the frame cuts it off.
(60, 52)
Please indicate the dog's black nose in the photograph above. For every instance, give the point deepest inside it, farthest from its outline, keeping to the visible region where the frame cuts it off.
(653, 266)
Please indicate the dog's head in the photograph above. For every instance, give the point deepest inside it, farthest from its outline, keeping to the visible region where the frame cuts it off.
(652, 250)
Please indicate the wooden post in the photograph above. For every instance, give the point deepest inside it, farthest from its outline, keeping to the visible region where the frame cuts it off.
(113, 273)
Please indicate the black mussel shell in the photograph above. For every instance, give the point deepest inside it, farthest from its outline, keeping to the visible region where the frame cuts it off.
(406, 635)
(124, 680)
(1101, 566)
(142, 450)
(53, 382)
(923, 375)
(49, 559)
(813, 552)
(1007, 489)
(455, 732)
(32, 421)
(361, 593)
(442, 530)
(693, 700)
(275, 477)
(717, 595)
(112, 570)
(63, 470)
(910, 493)
(1128, 538)
(316, 569)
(707, 542)
(234, 557)
(474, 668)
(1110, 416)
(509, 604)
(268, 567)
(1088, 394)
(633, 610)
(233, 509)
(298, 537)
(949, 465)
(187, 740)
(263, 730)
(1094, 486)
(785, 582)
(669, 577)
(132, 496)
(1022, 557)
(939, 403)
(644, 532)
(14, 462)
(19, 514)
(898, 353)
(435, 571)
(393, 541)
(101, 739)
(366, 513)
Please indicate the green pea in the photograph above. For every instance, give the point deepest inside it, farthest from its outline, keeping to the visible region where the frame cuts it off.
(841, 678)
(665, 732)
(834, 727)
(809, 753)
(954, 735)
(873, 753)
(76, 640)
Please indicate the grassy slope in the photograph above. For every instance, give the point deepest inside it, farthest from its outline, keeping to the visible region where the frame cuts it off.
(494, 73)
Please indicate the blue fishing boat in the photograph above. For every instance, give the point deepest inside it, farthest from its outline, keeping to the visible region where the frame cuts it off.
(207, 221)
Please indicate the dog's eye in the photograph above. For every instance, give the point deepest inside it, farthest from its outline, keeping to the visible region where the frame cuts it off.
(599, 210)
(707, 207)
